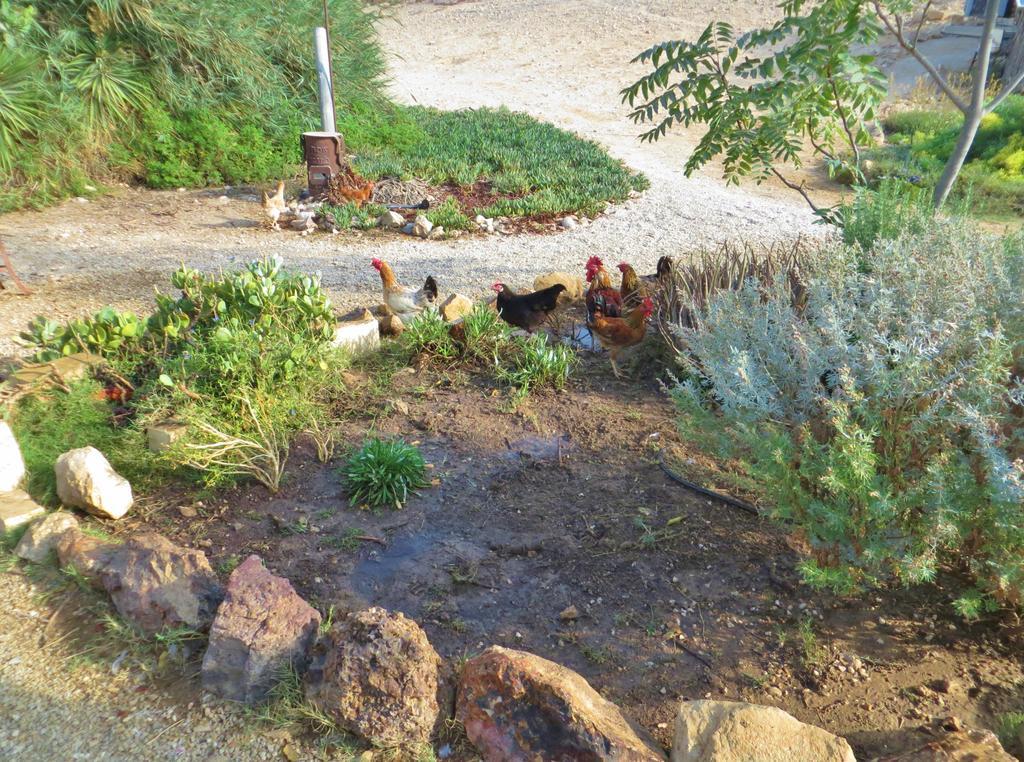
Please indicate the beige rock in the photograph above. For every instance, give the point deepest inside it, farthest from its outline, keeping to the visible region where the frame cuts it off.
(358, 336)
(573, 284)
(86, 480)
(17, 508)
(12, 465)
(43, 535)
(959, 746)
(162, 436)
(455, 307)
(730, 731)
(422, 227)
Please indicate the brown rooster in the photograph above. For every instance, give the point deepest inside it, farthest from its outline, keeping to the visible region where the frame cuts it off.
(274, 206)
(617, 333)
(631, 289)
(601, 295)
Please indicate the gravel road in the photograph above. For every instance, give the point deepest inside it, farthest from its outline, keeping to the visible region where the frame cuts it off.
(560, 60)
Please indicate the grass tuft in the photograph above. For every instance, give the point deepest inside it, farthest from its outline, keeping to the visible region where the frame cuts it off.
(384, 472)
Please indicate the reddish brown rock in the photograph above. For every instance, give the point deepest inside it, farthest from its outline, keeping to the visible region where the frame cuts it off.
(516, 706)
(88, 555)
(960, 746)
(157, 585)
(261, 628)
(377, 675)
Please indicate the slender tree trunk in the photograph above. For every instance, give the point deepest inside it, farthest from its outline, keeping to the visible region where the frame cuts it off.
(974, 113)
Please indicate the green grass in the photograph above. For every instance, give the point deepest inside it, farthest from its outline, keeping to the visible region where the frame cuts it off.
(1008, 729)
(920, 141)
(384, 472)
(47, 428)
(550, 170)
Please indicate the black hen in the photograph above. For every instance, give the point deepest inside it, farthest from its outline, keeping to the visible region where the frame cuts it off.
(526, 311)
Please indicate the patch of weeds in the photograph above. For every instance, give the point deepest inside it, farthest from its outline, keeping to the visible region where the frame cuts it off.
(287, 705)
(484, 332)
(1008, 727)
(533, 363)
(229, 564)
(457, 624)
(428, 333)
(289, 528)
(757, 681)
(352, 217)
(810, 649)
(327, 621)
(450, 216)
(8, 542)
(348, 539)
(384, 472)
(597, 654)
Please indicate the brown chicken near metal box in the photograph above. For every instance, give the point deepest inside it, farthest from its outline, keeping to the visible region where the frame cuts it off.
(526, 311)
(401, 300)
(617, 333)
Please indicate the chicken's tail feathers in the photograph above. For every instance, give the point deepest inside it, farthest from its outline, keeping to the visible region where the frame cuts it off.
(430, 287)
(664, 266)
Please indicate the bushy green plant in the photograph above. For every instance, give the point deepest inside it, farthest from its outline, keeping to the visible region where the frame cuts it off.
(882, 418)
(894, 207)
(351, 216)
(384, 472)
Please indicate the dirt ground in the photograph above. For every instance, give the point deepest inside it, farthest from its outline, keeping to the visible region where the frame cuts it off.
(564, 504)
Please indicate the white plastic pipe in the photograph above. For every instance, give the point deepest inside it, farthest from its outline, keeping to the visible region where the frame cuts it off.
(323, 71)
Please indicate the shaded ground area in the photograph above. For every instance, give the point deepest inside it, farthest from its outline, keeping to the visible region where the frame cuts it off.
(563, 505)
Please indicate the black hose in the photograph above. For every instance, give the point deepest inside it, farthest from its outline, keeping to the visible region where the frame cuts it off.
(727, 499)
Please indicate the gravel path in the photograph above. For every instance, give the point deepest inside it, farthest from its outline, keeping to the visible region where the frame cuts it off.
(560, 60)
(57, 706)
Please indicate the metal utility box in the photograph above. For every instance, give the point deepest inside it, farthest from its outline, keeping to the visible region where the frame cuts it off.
(324, 153)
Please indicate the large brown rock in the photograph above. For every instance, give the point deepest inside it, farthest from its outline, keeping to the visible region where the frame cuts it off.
(157, 585)
(42, 536)
(376, 674)
(732, 731)
(517, 706)
(961, 746)
(261, 628)
(86, 554)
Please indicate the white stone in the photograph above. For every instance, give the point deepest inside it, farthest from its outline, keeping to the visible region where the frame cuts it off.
(17, 508)
(43, 535)
(12, 465)
(161, 436)
(568, 223)
(358, 336)
(730, 731)
(422, 226)
(391, 220)
(86, 480)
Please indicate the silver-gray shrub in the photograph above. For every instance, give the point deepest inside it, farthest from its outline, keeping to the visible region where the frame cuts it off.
(882, 412)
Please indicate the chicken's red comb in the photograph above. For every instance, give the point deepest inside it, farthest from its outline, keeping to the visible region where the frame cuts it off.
(376, 263)
(595, 261)
(622, 266)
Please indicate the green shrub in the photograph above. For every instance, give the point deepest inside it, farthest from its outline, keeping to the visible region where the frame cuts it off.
(882, 417)
(243, 357)
(141, 88)
(921, 141)
(886, 212)
(428, 333)
(384, 472)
